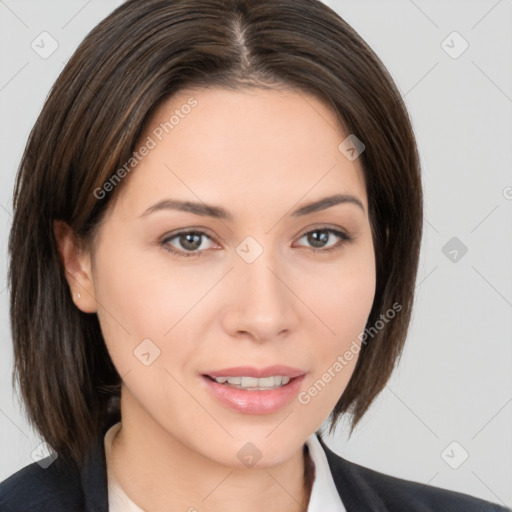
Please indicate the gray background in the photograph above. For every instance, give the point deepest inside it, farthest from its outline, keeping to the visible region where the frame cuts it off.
(451, 394)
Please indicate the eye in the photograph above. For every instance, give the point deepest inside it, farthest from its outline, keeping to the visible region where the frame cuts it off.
(187, 243)
(325, 239)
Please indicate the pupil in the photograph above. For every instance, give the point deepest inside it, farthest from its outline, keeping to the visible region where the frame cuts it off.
(190, 241)
(318, 238)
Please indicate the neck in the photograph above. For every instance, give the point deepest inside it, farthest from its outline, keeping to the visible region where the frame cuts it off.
(160, 473)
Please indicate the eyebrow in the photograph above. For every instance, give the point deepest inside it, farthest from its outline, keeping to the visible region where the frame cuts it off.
(218, 212)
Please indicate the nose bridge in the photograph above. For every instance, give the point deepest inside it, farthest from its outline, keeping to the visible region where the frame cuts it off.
(263, 306)
(264, 289)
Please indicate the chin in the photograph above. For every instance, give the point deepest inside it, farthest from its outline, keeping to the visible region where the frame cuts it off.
(257, 447)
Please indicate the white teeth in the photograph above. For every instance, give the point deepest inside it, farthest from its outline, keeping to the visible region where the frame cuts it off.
(249, 382)
(268, 382)
(253, 383)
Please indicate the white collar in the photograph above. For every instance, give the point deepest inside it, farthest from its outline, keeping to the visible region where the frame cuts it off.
(324, 495)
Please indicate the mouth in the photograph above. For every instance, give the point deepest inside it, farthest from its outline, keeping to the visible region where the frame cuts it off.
(253, 383)
(254, 391)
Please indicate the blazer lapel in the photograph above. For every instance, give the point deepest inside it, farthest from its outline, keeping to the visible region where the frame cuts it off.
(354, 491)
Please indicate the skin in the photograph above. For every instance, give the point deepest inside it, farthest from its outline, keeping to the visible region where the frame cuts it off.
(260, 154)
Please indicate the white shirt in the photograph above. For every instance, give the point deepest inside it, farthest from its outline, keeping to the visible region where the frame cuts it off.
(324, 495)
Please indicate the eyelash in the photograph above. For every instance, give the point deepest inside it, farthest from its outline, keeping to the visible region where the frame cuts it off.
(344, 238)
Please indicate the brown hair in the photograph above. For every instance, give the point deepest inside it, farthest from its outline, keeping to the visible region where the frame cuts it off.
(88, 128)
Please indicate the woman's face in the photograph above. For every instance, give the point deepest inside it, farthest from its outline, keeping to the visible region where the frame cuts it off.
(222, 258)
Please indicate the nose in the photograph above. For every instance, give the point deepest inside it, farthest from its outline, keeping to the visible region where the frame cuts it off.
(262, 305)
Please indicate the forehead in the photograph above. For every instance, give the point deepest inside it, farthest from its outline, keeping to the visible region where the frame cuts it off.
(242, 146)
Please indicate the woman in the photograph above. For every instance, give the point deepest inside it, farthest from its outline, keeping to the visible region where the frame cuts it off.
(217, 223)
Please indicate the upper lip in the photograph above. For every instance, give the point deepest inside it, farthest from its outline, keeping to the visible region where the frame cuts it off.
(251, 371)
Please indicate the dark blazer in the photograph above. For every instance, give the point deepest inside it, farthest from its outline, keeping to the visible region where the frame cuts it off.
(84, 488)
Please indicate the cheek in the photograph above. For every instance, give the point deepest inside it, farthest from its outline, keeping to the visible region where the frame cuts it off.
(144, 293)
(343, 299)
(144, 306)
(341, 294)
(137, 300)
(344, 310)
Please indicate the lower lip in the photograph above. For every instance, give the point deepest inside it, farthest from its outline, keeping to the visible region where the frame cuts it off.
(256, 401)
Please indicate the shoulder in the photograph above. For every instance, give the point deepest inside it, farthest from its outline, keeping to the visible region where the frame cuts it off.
(35, 489)
(401, 494)
(388, 493)
(62, 485)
